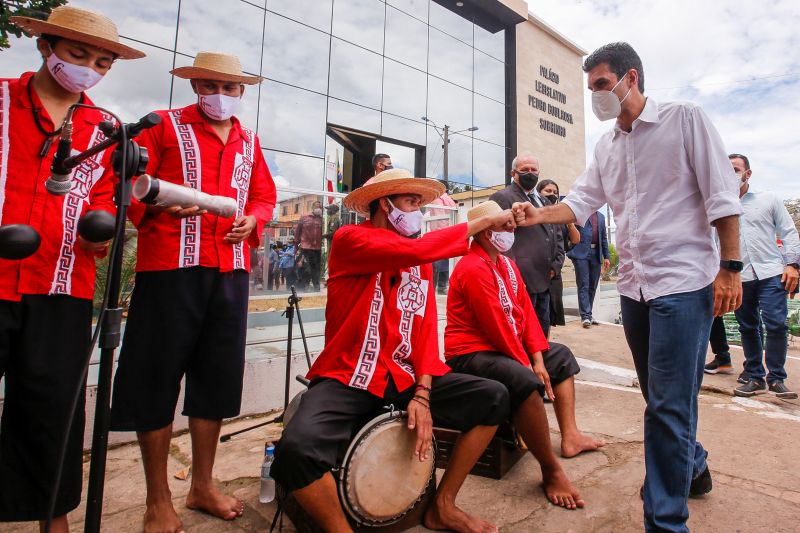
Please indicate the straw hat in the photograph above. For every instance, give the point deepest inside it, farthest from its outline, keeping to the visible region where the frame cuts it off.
(486, 208)
(388, 183)
(79, 25)
(216, 66)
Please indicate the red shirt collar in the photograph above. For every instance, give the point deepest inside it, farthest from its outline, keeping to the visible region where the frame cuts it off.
(91, 116)
(477, 249)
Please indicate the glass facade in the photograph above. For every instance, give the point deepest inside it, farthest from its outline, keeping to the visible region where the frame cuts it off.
(368, 69)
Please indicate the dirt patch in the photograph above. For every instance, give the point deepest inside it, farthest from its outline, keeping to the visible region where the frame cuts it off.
(279, 303)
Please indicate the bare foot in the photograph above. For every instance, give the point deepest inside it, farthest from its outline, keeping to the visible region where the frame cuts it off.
(559, 489)
(449, 517)
(214, 502)
(572, 446)
(160, 517)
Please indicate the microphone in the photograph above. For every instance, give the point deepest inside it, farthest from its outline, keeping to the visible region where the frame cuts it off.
(97, 226)
(59, 182)
(18, 241)
(149, 190)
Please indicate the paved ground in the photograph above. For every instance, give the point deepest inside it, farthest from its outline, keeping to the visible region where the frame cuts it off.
(752, 445)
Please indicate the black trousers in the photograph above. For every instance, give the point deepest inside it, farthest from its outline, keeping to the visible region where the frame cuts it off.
(719, 339)
(331, 413)
(43, 346)
(519, 380)
(189, 321)
(311, 268)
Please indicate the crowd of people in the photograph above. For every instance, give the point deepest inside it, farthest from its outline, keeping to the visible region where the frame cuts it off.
(681, 205)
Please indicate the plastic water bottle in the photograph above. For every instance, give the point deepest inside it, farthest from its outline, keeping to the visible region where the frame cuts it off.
(267, 493)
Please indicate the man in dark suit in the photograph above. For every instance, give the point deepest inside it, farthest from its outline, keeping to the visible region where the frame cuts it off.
(538, 250)
(591, 258)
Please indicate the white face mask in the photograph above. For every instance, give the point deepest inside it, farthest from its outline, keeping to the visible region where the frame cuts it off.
(73, 78)
(407, 223)
(219, 106)
(502, 240)
(317, 211)
(607, 105)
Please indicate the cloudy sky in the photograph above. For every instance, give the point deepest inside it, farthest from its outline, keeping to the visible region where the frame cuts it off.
(737, 58)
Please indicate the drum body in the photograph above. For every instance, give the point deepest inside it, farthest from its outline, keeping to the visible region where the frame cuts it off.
(382, 485)
(381, 480)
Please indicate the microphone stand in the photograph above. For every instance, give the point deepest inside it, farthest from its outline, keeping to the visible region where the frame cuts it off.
(128, 160)
(293, 305)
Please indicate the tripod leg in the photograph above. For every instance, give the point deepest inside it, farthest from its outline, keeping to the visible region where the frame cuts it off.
(290, 317)
(302, 333)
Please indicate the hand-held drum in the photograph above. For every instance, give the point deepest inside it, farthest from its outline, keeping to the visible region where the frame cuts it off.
(381, 480)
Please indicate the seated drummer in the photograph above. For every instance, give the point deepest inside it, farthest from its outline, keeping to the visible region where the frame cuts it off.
(492, 332)
(382, 348)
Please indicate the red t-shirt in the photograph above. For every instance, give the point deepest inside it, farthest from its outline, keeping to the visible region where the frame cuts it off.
(198, 158)
(381, 313)
(488, 309)
(59, 266)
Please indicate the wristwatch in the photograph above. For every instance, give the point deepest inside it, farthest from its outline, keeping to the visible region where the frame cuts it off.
(794, 265)
(732, 265)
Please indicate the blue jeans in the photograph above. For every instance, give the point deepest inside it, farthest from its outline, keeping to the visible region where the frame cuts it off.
(668, 337)
(768, 296)
(541, 304)
(587, 276)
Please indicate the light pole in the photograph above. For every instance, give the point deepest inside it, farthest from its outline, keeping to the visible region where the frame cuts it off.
(445, 136)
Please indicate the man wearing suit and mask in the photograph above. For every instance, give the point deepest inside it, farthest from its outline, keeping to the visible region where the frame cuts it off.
(538, 250)
(591, 258)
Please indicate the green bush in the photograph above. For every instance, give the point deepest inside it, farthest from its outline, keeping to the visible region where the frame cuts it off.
(126, 278)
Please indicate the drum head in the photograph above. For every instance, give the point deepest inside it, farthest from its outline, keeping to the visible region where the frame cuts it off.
(382, 479)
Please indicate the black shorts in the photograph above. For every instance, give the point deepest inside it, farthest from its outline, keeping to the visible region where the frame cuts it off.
(43, 347)
(331, 413)
(192, 322)
(519, 380)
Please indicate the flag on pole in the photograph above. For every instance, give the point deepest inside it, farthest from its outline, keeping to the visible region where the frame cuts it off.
(330, 177)
(339, 175)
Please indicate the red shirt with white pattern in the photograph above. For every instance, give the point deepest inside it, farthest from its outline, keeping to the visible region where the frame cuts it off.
(185, 149)
(59, 266)
(488, 309)
(381, 315)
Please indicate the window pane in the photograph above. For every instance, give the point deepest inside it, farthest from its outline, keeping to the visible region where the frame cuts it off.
(490, 76)
(493, 44)
(291, 119)
(316, 13)
(355, 74)
(403, 129)
(231, 26)
(353, 116)
(451, 23)
(403, 90)
(459, 157)
(360, 22)
(291, 170)
(416, 8)
(489, 164)
(285, 59)
(134, 88)
(490, 119)
(151, 21)
(402, 156)
(450, 59)
(406, 39)
(449, 104)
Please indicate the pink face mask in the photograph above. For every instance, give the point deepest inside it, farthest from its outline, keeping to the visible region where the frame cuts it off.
(219, 106)
(73, 78)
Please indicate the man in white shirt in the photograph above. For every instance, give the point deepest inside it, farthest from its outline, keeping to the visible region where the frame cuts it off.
(766, 279)
(663, 170)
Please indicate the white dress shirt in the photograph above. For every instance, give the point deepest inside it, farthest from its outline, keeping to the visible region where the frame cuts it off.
(666, 181)
(764, 218)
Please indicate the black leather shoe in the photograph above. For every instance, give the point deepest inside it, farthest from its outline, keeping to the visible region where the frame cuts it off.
(751, 388)
(782, 391)
(701, 484)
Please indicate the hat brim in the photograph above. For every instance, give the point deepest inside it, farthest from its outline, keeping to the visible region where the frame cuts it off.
(359, 199)
(32, 26)
(199, 73)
